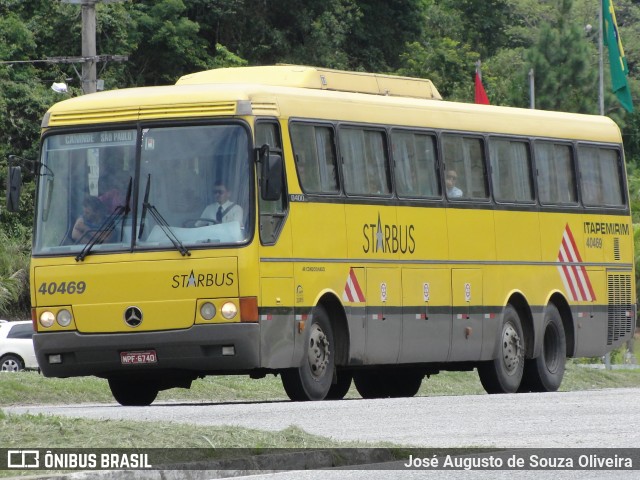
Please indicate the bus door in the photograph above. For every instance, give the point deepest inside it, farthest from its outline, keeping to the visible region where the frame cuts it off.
(467, 314)
(383, 315)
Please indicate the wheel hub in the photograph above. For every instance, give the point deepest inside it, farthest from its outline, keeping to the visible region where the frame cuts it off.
(318, 352)
(10, 366)
(511, 348)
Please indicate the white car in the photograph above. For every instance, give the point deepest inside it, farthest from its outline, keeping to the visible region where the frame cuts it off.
(16, 346)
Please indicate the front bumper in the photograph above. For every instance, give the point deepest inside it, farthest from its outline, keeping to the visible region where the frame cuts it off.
(197, 349)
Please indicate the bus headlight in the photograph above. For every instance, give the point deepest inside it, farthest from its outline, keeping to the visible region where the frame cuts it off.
(47, 319)
(229, 310)
(64, 318)
(207, 310)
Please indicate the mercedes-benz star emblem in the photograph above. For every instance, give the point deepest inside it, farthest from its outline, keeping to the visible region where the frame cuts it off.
(133, 316)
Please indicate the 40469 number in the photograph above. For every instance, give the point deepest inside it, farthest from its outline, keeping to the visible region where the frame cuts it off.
(62, 288)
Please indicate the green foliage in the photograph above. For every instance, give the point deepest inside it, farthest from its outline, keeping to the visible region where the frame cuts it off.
(564, 77)
(436, 39)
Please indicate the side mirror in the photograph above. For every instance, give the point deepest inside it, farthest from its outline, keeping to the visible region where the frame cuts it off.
(14, 185)
(271, 174)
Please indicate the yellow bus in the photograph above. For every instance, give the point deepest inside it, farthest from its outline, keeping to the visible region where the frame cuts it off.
(328, 227)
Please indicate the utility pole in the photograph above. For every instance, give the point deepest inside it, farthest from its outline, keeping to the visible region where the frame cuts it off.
(600, 60)
(89, 70)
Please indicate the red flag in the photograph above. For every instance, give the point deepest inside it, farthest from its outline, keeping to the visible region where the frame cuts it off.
(481, 95)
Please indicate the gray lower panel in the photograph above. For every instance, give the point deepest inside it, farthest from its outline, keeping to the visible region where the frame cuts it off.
(197, 349)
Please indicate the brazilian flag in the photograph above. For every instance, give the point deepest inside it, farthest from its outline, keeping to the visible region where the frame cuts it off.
(617, 60)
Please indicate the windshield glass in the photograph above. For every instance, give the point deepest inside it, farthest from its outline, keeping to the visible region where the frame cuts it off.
(192, 190)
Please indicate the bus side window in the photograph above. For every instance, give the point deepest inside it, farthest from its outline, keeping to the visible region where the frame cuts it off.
(414, 156)
(600, 182)
(314, 150)
(272, 213)
(365, 162)
(511, 170)
(464, 158)
(556, 178)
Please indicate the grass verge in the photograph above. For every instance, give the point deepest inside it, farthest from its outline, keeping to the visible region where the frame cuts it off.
(43, 431)
(31, 388)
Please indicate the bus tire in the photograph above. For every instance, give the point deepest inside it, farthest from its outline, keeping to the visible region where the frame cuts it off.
(388, 383)
(343, 383)
(370, 384)
(407, 382)
(133, 392)
(545, 373)
(504, 373)
(312, 379)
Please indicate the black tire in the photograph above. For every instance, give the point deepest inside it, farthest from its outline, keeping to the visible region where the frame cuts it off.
(545, 373)
(312, 379)
(370, 384)
(11, 363)
(388, 383)
(407, 382)
(343, 383)
(133, 392)
(504, 374)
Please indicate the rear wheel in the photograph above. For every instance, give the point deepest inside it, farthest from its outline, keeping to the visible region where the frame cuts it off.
(545, 373)
(312, 379)
(133, 392)
(11, 363)
(503, 374)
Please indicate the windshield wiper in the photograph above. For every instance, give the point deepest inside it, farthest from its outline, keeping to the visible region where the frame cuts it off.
(107, 226)
(160, 220)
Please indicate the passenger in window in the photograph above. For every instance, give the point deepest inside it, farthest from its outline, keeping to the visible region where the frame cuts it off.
(116, 190)
(223, 210)
(451, 177)
(93, 215)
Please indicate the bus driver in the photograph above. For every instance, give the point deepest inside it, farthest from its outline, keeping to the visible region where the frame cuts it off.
(222, 210)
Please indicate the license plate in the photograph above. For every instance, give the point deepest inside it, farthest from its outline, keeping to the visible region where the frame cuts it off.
(134, 358)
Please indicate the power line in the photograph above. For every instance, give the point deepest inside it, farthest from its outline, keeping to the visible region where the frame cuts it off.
(94, 58)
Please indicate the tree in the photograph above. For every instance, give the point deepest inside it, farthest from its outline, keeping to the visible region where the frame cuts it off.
(564, 75)
(168, 45)
(484, 24)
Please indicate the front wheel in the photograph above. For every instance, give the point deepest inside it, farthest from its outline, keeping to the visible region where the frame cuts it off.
(504, 374)
(545, 373)
(312, 379)
(133, 392)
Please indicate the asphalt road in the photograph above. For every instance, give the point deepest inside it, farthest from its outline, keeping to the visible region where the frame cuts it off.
(588, 419)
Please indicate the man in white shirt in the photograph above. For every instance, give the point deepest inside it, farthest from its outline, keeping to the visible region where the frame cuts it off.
(223, 210)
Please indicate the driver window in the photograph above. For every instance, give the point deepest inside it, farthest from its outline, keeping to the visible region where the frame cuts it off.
(272, 212)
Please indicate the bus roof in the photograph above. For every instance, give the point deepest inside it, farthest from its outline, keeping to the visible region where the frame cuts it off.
(245, 91)
(318, 78)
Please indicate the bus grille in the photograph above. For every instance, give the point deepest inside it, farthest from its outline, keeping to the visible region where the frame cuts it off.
(620, 311)
(616, 248)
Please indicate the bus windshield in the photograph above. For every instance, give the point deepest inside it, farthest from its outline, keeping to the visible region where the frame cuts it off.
(160, 187)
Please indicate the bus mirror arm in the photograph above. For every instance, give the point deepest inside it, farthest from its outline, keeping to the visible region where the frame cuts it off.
(270, 174)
